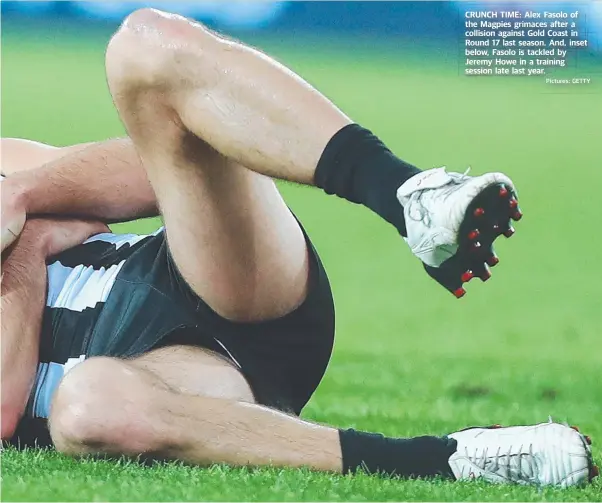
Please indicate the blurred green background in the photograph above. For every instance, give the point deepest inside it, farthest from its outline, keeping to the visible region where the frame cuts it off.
(409, 358)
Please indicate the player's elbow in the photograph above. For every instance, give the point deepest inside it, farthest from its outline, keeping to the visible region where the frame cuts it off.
(13, 401)
(9, 419)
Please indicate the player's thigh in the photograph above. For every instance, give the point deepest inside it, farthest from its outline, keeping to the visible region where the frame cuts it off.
(231, 235)
(197, 371)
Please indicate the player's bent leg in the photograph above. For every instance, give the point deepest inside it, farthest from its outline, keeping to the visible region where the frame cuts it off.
(259, 113)
(233, 238)
(242, 102)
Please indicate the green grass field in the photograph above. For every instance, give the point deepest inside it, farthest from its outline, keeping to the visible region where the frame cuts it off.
(409, 358)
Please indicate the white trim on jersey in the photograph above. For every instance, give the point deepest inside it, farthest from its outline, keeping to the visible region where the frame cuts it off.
(79, 287)
(121, 239)
(226, 350)
(48, 378)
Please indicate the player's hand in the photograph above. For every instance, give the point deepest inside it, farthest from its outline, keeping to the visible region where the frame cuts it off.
(55, 235)
(13, 212)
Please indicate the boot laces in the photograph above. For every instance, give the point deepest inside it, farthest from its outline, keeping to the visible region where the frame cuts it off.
(514, 466)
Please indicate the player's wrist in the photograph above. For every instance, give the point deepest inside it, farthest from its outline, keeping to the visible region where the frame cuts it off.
(56, 235)
(37, 238)
(18, 189)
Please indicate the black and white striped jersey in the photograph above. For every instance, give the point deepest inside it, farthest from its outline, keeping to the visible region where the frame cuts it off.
(114, 295)
(121, 295)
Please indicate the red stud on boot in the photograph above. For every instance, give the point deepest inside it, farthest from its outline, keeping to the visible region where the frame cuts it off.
(493, 261)
(459, 292)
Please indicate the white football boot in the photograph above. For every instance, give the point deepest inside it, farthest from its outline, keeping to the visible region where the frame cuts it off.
(452, 220)
(547, 454)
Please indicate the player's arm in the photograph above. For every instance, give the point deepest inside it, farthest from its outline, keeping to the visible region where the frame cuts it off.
(19, 154)
(103, 180)
(23, 299)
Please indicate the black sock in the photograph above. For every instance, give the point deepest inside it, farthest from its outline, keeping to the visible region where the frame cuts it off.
(404, 457)
(357, 166)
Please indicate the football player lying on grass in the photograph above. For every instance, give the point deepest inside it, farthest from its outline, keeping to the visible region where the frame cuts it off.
(203, 341)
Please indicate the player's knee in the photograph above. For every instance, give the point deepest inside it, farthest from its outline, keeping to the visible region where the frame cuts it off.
(143, 53)
(132, 56)
(81, 407)
(144, 17)
(171, 29)
(96, 409)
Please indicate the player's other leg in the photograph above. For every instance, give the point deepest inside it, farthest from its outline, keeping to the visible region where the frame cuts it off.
(166, 405)
(258, 113)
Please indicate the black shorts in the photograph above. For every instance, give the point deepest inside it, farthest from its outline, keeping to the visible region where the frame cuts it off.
(283, 359)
